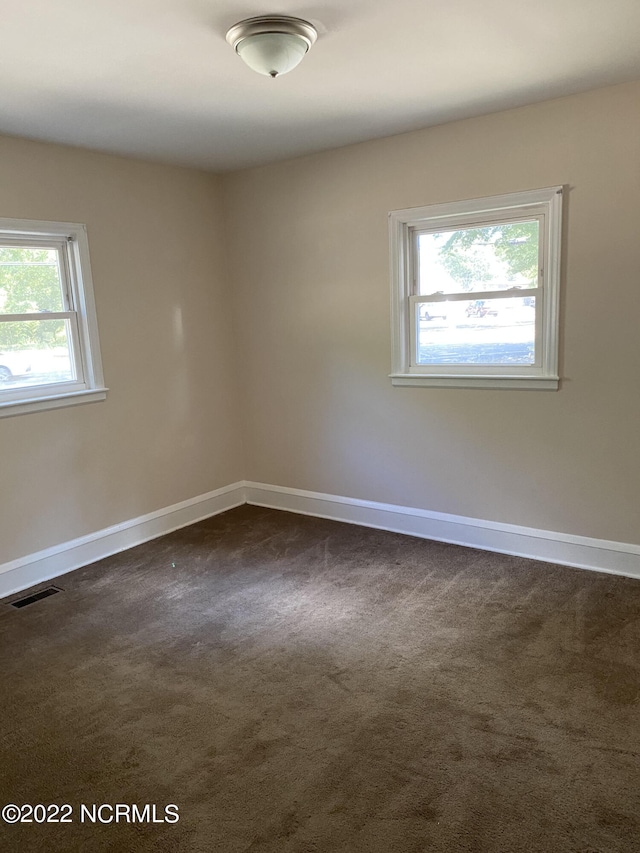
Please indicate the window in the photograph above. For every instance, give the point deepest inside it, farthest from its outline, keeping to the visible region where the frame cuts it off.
(475, 288)
(49, 352)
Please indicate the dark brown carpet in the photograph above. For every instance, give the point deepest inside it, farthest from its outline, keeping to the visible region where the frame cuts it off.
(302, 686)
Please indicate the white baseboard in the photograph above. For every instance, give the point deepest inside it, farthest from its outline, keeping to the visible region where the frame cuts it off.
(579, 551)
(582, 552)
(44, 565)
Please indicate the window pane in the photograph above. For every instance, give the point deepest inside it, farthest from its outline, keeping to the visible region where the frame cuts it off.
(494, 257)
(35, 352)
(477, 331)
(30, 280)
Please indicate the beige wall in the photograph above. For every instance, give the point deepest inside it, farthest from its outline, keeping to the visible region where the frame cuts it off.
(168, 430)
(308, 242)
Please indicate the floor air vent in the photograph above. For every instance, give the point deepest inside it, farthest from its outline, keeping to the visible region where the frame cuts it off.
(36, 596)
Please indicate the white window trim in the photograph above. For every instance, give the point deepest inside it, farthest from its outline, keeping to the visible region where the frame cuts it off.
(91, 387)
(545, 203)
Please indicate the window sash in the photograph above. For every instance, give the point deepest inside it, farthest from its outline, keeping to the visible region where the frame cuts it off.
(37, 315)
(79, 383)
(415, 298)
(472, 295)
(61, 247)
(469, 224)
(480, 368)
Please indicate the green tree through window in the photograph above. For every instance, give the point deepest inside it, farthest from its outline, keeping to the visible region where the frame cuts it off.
(30, 283)
(464, 254)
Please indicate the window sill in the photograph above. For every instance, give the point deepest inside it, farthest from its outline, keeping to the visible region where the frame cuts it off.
(55, 401)
(529, 383)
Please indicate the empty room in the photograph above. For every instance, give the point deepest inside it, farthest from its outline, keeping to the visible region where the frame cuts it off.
(319, 418)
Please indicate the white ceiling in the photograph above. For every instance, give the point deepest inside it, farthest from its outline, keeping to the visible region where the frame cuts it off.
(156, 78)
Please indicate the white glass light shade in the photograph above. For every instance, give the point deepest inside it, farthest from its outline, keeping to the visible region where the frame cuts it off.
(272, 54)
(272, 44)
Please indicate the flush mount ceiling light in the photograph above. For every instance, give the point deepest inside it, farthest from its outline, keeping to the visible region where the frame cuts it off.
(272, 44)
